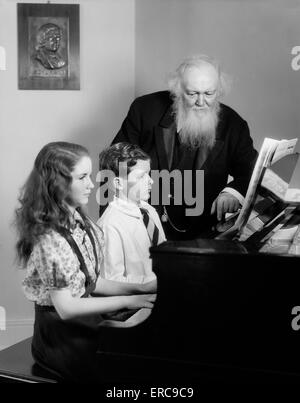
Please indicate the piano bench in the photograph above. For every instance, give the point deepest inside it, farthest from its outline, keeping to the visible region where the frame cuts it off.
(17, 365)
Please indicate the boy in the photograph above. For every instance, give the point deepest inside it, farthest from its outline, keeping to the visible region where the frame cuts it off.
(130, 225)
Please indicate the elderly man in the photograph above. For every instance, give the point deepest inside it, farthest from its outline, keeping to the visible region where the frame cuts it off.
(187, 129)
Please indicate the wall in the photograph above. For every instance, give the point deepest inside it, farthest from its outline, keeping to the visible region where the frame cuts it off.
(127, 47)
(30, 119)
(252, 39)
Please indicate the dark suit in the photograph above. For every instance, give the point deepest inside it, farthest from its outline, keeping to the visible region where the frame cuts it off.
(150, 124)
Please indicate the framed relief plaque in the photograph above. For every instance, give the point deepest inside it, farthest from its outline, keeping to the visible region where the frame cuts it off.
(48, 46)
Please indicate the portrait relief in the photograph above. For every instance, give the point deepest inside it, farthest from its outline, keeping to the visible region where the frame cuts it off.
(48, 46)
(48, 42)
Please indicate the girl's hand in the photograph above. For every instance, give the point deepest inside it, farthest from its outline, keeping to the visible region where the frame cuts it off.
(141, 301)
(150, 287)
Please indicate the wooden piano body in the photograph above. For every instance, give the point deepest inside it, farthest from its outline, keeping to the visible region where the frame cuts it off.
(221, 314)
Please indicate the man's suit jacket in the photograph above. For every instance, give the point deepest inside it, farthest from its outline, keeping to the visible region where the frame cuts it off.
(149, 123)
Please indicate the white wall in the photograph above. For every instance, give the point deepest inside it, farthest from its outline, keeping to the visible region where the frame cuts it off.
(30, 119)
(127, 47)
(253, 40)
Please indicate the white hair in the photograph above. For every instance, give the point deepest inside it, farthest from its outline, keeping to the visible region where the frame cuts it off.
(175, 78)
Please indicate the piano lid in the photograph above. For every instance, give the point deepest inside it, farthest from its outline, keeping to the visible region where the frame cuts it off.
(201, 247)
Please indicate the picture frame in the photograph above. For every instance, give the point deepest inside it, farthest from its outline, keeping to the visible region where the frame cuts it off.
(48, 46)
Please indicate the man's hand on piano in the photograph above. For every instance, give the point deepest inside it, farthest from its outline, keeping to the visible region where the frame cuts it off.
(224, 203)
(141, 301)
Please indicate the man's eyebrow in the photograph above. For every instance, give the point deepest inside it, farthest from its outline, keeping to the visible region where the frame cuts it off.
(193, 90)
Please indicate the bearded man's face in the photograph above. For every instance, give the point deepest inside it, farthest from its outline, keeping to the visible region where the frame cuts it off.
(197, 107)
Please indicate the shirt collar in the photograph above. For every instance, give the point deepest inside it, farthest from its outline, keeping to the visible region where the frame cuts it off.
(129, 208)
(77, 220)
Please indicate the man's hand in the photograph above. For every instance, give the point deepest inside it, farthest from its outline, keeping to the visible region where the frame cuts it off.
(224, 203)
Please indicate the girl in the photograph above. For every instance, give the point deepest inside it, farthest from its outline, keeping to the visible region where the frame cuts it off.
(60, 248)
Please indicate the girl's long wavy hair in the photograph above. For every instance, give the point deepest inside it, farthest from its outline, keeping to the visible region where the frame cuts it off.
(43, 198)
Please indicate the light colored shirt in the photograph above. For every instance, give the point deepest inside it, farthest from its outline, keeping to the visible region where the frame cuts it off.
(126, 242)
(53, 264)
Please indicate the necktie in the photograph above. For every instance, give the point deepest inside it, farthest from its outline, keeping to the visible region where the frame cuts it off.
(151, 227)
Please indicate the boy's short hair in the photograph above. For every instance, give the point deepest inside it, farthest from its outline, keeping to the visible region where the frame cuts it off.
(111, 157)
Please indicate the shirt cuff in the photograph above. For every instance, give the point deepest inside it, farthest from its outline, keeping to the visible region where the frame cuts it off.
(234, 193)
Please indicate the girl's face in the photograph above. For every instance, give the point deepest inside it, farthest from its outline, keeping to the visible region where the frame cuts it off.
(82, 184)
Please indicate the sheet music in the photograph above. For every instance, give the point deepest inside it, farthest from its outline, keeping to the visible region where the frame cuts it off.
(293, 195)
(274, 183)
(285, 147)
(295, 247)
(264, 158)
(271, 151)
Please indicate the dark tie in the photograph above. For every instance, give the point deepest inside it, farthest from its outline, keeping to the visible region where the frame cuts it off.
(151, 227)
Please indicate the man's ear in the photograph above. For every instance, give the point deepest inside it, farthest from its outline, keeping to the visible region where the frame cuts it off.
(118, 183)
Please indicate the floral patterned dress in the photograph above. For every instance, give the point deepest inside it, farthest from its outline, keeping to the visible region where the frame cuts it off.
(53, 264)
(66, 348)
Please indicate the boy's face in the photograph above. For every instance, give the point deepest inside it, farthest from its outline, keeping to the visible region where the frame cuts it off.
(139, 182)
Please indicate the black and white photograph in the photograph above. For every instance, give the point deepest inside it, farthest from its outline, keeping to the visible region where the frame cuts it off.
(150, 195)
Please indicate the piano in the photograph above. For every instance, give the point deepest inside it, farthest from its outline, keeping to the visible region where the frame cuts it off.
(226, 308)
(222, 314)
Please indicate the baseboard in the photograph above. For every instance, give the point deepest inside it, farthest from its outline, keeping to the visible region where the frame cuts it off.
(16, 330)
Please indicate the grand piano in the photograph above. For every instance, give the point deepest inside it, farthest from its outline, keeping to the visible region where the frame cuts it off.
(222, 314)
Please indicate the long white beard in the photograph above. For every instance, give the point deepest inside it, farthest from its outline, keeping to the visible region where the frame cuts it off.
(197, 127)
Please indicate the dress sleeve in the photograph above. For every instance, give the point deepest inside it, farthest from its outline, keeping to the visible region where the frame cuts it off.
(55, 262)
